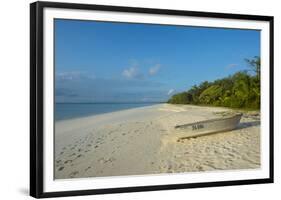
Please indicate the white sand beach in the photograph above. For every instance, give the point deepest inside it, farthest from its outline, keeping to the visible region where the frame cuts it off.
(133, 142)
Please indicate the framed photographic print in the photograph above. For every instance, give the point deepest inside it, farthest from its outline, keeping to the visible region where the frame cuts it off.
(127, 99)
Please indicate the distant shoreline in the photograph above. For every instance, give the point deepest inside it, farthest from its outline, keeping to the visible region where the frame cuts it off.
(68, 111)
(214, 106)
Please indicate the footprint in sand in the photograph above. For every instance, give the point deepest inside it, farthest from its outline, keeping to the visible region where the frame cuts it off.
(72, 174)
(88, 168)
(73, 147)
(109, 160)
(80, 155)
(229, 160)
(61, 168)
(67, 161)
(72, 154)
(200, 168)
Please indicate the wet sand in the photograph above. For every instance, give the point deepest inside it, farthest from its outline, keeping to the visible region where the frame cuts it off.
(134, 142)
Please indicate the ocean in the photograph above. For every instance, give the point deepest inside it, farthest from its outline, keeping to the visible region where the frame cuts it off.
(65, 111)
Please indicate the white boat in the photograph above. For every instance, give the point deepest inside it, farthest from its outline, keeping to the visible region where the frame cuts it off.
(208, 126)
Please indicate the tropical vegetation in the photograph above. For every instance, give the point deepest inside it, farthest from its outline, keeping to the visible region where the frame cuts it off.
(240, 90)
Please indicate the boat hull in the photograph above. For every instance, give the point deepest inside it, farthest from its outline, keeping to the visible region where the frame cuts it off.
(207, 127)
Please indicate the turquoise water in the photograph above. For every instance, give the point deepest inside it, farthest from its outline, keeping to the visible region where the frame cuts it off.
(75, 110)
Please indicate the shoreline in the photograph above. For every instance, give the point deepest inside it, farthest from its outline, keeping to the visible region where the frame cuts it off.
(92, 115)
(190, 105)
(213, 106)
(130, 142)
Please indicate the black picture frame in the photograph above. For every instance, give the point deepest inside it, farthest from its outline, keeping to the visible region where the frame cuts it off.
(37, 98)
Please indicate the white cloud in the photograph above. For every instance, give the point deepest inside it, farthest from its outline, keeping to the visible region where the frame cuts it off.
(231, 66)
(170, 91)
(67, 75)
(154, 70)
(73, 75)
(131, 73)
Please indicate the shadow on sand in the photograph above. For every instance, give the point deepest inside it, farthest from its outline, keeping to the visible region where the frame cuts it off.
(243, 125)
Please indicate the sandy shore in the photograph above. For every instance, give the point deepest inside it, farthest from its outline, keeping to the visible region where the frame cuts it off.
(132, 142)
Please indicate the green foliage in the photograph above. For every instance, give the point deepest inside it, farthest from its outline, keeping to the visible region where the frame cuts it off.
(241, 90)
(211, 95)
(255, 65)
(181, 98)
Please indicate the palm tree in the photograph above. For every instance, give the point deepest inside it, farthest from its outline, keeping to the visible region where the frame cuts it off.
(255, 65)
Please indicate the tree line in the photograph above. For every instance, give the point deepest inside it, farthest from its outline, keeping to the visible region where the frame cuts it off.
(240, 90)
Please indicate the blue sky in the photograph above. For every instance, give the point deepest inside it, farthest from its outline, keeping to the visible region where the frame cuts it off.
(122, 62)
